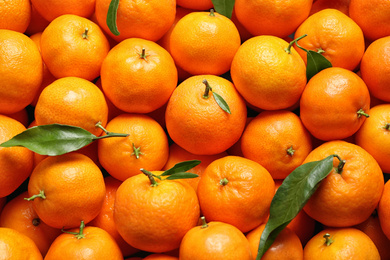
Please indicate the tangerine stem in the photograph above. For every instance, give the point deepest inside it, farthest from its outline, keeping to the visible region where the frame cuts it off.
(153, 182)
(212, 12)
(224, 182)
(204, 223)
(320, 50)
(387, 126)
(288, 49)
(290, 151)
(340, 167)
(36, 222)
(207, 89)
(136, 151)
(143, 55)
(85, 34)
(41, 195)
(361, 112)
(79, 234)
(328, 240)
(108, 134)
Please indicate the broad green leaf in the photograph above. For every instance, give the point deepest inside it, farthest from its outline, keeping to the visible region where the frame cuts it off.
(315, 63)
(111, 17)
(182, 175)
(291, 197)
(54, 139)
(221, 102)
(181, 167)
(224, 7)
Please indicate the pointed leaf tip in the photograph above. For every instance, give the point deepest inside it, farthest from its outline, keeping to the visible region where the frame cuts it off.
(112, 16)
(224, 7)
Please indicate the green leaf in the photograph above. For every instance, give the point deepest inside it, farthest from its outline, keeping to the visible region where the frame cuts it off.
(291, 197)
(181, 167)
(182, 175)
(315, 63)
(54, 139)
(224, 7)
(221, 103)
(111, 17)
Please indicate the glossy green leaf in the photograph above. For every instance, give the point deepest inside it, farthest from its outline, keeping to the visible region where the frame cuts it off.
(291, 197)
(54, 139)
(224, 7)
(315, 63)
(181, 167)
(221, 102)
(111, 16)
(182, 175)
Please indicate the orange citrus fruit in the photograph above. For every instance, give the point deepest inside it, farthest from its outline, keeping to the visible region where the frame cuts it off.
(51, 9)
(375, 68)
(372, 16)
(285, 142)
(90, 243)
(196, 122)
(215, 240)
(267, 74)
(204, 43)
(272, 17)
(16, 163)
(15, 15)
(384, 210)
(374, 135)
(20, 71)
(340, 112)
(66, 190)
(15, 245)
(333, 34)
(72, 101)
(159, 215)
(20, 215)
(138, 19)
(144, 76)
(342, 243)
(237, 191)
(74, 46)
(146, 146)
(351, 191)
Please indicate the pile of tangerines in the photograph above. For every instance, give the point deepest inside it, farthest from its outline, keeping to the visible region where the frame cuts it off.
(211, 109)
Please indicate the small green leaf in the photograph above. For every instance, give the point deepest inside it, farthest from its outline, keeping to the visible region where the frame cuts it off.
(221, 102)
(181, 167)
(315, 63)
(54, 139)
(111, 17)
(224, 7)
(315, 60)
(291, 197)
(182, 175)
